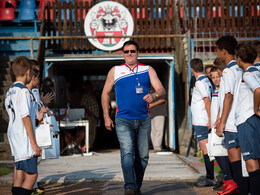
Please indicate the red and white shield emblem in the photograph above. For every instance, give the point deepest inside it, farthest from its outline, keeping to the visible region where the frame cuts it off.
(108, 19)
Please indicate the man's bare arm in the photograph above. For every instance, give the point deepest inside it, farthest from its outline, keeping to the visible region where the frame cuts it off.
(156, 103)
(105, 98)
(157, 85)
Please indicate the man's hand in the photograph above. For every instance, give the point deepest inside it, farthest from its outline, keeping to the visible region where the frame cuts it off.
(46, 100)
(219, 129)
(109, 124)
(149, 98)
(37, 150)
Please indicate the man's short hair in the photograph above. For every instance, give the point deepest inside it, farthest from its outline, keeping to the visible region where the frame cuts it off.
(130, 42)
(228, 43)
(219, 64)
(247, 52)
(196, 64)
(20, 66)
(257, 46)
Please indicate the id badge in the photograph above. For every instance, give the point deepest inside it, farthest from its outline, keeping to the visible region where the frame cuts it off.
(139, 89)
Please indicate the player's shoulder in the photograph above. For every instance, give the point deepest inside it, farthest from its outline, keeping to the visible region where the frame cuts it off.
(252, 69)
(202, 79)
(231, 64)
(199, 83)
(35, 90)
(232, 71)
(19, 87)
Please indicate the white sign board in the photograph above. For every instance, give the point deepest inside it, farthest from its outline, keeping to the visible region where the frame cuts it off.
(108, 18)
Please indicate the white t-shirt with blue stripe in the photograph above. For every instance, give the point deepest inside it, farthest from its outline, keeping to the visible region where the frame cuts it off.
(230, 82)
(201, 90)
(245, 105)
(19, 104)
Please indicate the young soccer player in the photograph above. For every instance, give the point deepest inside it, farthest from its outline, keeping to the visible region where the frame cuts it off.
(229, 89)
(19, 106)
(40, 99)
(200, 109)
(247, 122)
(228, 185)
(39, 110)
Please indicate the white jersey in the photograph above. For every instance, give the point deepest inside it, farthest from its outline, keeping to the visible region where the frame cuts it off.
(37, 96)
(214, 107)
(19, 104)
(35, 110)
(201, 90)
(230, 81)
(257, 65)
(245, 106)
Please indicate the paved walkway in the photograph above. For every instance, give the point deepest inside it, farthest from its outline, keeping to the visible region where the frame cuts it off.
(165, 172)
(105, 166)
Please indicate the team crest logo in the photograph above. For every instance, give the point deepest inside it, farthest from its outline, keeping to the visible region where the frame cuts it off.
(108, 19)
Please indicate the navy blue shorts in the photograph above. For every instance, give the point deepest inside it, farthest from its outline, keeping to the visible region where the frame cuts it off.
(249, 138)
(201, 132)
(231, 139)
(28, 166)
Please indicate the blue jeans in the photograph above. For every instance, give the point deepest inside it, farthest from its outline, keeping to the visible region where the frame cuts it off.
(134, 138)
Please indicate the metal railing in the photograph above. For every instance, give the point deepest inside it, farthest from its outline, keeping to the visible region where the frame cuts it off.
(94, 37)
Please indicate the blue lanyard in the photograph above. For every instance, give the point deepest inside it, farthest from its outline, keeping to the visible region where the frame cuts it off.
(135, 73)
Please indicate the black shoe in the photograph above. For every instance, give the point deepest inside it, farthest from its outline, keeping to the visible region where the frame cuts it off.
(218, 187)
(129, 191)
(138, 192)
(206, 182)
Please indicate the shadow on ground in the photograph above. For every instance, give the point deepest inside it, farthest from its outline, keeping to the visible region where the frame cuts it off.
(117, 188)
(101, 174)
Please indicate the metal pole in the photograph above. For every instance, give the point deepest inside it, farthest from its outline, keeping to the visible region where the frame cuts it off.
(31, 48)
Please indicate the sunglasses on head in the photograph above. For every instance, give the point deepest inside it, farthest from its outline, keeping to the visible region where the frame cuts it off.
(131, 51)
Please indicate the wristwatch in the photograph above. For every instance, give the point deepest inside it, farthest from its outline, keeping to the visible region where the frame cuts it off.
(156, 95)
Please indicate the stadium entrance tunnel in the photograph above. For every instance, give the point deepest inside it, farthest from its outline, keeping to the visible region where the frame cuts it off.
(78, 70)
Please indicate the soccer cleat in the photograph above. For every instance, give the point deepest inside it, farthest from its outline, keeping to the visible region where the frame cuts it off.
(229, 186)
(39, 191)
(235, 192)
(206, 182)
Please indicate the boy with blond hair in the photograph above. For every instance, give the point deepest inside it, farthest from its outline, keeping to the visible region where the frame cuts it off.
(227, 185)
